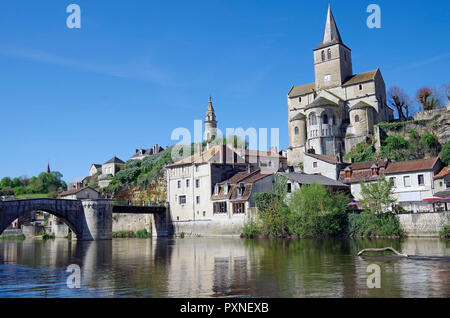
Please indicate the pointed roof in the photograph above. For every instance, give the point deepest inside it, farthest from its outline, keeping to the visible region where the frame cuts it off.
(331, 33)
(114, 160)
(210, 114)
(48, 167)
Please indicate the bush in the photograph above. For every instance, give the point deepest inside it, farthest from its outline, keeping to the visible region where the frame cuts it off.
(368, 224)
(46, 236)
(445, 233)
(124, 234)
(273, 214)
(315, 212)
(362, 152)
(142, 234)
(445, 153)
(251, 229)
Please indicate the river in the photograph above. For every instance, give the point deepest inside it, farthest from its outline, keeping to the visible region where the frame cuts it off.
(223, 267)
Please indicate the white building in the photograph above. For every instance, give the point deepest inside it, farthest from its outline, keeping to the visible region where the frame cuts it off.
(80, 194)
(328, 166)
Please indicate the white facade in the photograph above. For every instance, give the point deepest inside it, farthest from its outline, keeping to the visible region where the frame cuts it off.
(412, 186)
(86, 193)
(312, 165)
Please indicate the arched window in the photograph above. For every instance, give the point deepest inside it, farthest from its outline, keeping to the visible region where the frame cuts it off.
(357, 119)
(329, 54)
(360, 87)
(296, 131)
(323, 56)
(313, 119)
(325, 119)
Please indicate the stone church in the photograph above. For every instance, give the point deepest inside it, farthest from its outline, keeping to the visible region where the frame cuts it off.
(338, 110)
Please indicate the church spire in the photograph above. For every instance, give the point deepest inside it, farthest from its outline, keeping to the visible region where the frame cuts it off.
(331, 33)
(210, 113)
(48, 167)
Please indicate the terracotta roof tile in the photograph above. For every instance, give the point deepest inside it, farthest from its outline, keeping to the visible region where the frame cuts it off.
(414, 165)
(326, 158)
(443, 173)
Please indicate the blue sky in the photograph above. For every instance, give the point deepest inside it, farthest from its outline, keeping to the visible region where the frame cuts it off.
(138, 69)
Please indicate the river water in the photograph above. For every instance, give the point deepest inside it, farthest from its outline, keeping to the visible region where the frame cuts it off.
(223, 267)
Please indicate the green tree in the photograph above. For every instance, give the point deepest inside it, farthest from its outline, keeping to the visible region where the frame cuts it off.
(16, 182)
(316, 212)
(5, 183)
(395, 148)
(377, 196)
(362, 152)
(445, 153)
(432, 143)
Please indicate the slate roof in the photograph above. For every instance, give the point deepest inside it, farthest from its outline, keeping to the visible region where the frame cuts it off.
(75, 191)
(114, 160)
(331, 33)
(303, 178)
(329, 159)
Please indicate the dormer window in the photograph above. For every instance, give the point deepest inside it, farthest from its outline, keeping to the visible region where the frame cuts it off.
(241, 190)
(225, 189)
(375, 169)
(216, 190)
(348, 173)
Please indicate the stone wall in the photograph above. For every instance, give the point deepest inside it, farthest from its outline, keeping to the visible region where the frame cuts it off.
(424, 224)
(132, 222)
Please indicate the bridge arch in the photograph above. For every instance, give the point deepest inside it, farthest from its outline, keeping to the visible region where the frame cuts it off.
(88, 219)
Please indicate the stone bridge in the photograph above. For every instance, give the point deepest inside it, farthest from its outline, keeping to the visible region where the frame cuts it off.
(89, 220)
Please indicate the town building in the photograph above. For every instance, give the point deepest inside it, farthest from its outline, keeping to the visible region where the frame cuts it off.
(338, 110)
(413, 180)
(190, 182)
(80, 194)
(328, 166)
(442, 180)
(95, 168)
(296, 180)
(78, 183)
(109, 169)
(141, 154)
(234, 197)
(364, 172)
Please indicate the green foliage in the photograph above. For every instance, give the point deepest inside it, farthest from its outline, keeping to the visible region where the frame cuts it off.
(368, 224)
(140, 173)
(124, 234)
(46, 236)
(445, 233)
(445, 153)
(273, 214)
(251, 229)
(315, 212)
(280, 187)
(45, 183)
(142, 234)
(377, 196)
(362, 152)
(432, 143)
(395, 148)
(18, 237)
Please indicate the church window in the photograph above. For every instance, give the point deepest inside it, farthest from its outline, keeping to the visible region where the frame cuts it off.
(360, 87)
(296, 131)
(357, 119)
(299, 99)
(327, 78)
(313, 119)
(329, 54)
(323, 56)
(325, 119)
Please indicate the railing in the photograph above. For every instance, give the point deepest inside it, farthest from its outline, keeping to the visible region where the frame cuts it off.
(138, 203)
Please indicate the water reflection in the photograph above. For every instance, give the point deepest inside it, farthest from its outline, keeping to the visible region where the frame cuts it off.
(223, 267)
